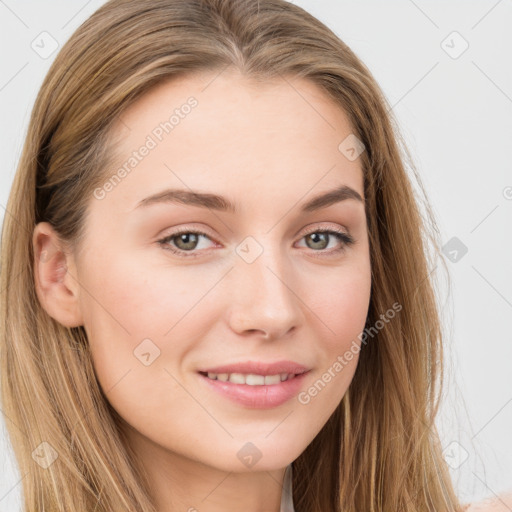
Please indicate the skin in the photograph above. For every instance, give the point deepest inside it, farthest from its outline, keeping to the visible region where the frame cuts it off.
(269, 148)
(501, 503)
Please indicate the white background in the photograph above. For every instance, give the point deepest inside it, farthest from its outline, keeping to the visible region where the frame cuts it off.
(456, 117)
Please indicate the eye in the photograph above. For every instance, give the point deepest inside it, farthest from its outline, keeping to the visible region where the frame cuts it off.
(186, 241)
(320, 238)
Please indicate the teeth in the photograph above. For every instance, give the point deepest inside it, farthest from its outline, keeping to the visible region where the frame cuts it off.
(237, 378)
(251, 379)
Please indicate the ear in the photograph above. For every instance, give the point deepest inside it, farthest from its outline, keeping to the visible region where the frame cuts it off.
(56, 283)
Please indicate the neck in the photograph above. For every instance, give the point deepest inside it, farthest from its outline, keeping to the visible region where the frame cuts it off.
(180, 483)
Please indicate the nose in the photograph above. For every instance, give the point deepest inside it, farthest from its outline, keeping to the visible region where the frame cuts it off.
(262, 297)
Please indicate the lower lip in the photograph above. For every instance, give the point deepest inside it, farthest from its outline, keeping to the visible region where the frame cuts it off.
(258, 397)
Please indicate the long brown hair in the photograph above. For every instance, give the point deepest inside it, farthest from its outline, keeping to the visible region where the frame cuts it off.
(380, 450)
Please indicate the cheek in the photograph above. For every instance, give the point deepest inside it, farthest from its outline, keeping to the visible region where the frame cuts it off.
(341, 311)
(341, 306)
(341, 302)
(139, 299)
(137, 312)
(137, 327)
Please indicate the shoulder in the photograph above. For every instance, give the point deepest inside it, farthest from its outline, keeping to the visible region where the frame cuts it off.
(502, 503)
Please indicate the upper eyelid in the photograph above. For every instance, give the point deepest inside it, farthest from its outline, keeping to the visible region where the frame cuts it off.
(308, 229)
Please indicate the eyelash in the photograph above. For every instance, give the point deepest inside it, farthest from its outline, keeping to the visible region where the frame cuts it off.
(340, 235)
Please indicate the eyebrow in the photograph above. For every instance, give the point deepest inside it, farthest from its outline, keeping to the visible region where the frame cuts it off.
(217, 202)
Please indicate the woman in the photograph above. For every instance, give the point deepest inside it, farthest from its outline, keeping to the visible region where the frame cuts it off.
(215, 275)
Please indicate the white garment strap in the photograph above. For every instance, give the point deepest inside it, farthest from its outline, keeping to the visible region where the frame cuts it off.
(287, 494)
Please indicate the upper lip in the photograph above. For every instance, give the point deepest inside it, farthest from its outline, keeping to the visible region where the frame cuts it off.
(258, 368)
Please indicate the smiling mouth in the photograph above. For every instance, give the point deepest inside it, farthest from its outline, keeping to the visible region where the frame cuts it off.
(250, 379)
(256, 391)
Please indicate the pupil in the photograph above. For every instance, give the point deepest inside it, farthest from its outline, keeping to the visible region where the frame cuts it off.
(315, 237)
(184, 237)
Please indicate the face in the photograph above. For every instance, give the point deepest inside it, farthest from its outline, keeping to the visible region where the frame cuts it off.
(173, 286)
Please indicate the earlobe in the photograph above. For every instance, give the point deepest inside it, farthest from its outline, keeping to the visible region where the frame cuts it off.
(55, 281)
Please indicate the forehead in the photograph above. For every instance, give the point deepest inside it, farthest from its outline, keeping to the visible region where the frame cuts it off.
(226, 133)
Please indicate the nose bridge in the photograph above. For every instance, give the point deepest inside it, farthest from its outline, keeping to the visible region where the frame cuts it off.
(263, 297)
